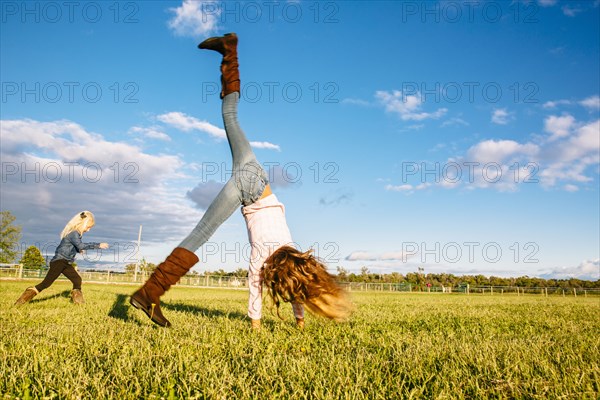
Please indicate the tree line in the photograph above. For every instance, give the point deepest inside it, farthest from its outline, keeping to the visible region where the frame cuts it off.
(420, 279)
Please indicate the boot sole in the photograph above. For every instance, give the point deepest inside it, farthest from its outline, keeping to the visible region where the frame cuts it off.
(140, 306)
(205, 45)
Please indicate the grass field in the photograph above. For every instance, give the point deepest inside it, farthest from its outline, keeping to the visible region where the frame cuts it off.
(396, 346)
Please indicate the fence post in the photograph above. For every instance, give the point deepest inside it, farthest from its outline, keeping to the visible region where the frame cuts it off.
(575, 292)
(20, 271)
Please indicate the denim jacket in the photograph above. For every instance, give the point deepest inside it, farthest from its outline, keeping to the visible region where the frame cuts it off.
(70, 245)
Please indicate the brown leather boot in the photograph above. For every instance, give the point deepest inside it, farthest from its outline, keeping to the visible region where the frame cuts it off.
(227, 46)
(27, 295)
(168, 273)
(77, 297)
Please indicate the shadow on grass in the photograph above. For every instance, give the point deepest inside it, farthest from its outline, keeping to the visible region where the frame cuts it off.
(210, 313)
(120, 309)
(64, 293)
(121, 306)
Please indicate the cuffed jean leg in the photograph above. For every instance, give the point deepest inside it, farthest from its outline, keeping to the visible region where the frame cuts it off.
(221, 208)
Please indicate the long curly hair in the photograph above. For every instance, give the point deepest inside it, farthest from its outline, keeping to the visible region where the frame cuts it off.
(293, 276)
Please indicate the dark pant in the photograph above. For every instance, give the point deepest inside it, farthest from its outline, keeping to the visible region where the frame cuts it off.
(60, 267)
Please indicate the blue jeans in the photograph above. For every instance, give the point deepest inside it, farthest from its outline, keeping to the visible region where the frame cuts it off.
(246, 185)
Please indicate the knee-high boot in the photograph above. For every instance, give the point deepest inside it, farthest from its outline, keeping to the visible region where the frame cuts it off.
(168, 273)
(227, 47)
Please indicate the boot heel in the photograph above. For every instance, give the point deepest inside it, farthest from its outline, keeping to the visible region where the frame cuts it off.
(134, 303)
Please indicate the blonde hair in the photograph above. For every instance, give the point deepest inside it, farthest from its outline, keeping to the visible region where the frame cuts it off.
(292, 276)
(78, 223)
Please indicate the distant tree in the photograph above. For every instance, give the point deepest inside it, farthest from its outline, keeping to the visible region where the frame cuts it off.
(10, 235)
(396, 277)
(149, 267)
(364, 274)
(411, 278)
(32, 258)
(240, 273)
(130, 268)
(342, 274)
(144, 267)
(219, 272)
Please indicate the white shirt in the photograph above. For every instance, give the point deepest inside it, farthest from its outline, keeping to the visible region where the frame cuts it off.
(267, 231)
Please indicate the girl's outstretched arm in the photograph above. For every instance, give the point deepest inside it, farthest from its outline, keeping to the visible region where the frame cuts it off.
(76, 241)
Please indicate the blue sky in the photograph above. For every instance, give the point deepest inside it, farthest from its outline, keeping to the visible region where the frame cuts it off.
(461, 137)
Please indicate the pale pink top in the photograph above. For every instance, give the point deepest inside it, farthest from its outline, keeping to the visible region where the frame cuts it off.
(267, 231)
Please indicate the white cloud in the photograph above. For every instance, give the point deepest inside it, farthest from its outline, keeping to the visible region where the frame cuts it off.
(547, 3)
(152, 133)
(586, 270)
(265, 145)
(571, 188)
(389, 256)
(399, 188)
(406, 188)
(566, 162)
(556, 103)
(195, 18)
(559, 127)
(592, 103)
(408, 107)
(584, 142)
(501, 117)
(455, 121)
(498, 151)
(361, 256)
(74, 169)
(570, 11)
(187, 123)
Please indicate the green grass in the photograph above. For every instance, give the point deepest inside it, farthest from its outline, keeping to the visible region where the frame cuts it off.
(395, 346)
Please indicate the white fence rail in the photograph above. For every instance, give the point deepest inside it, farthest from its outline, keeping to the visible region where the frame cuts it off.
(120, 277)
(242, 283)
